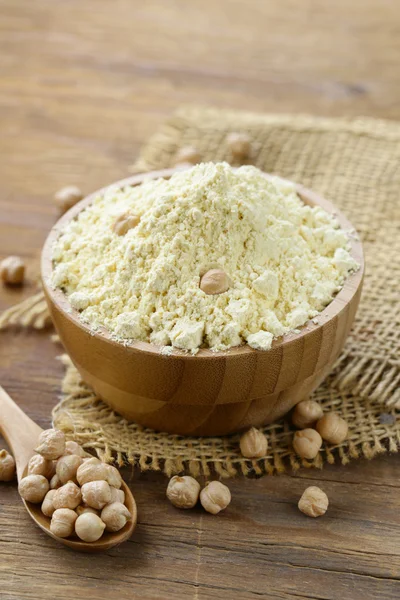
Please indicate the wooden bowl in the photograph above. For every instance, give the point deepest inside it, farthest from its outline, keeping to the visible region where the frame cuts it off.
(209, 393)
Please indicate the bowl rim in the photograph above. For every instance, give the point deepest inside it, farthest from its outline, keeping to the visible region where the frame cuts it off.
(333, 309)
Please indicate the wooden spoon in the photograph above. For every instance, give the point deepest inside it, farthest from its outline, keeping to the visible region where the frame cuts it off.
(21, 434)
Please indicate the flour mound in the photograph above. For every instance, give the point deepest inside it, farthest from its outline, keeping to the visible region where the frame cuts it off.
(285, 260)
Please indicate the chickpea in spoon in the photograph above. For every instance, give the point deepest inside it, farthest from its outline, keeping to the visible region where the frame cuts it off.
(86, 484)
(40, 492)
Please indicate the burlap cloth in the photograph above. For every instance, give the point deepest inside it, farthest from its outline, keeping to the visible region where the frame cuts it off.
(354, 163)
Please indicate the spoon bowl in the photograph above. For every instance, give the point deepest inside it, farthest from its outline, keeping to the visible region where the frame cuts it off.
(22, 435)
(107, 540)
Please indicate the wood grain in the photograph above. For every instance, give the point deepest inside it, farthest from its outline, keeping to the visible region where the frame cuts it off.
(145, 386)
(22, 434)
(82, 86)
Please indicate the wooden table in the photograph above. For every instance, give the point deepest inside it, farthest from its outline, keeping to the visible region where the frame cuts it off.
(83, 85)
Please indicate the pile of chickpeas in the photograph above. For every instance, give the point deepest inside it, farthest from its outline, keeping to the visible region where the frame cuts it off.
(314, 427)
(78, 492)
(82, 495)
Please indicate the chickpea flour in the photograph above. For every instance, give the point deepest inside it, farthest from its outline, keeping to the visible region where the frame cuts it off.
(213, 257)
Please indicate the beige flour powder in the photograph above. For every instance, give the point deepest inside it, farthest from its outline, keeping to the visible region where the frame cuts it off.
(285, 260)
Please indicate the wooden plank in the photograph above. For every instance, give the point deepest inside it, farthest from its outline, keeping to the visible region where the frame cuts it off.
(82, 85)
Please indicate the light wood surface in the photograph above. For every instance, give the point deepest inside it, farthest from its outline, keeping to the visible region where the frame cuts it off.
(209, 393)
(21, 434)
(83, 84)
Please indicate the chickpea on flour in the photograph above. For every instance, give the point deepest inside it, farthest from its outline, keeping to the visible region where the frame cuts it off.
(213, 257)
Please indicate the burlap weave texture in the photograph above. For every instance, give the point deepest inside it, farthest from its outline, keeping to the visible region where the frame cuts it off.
(355, 164)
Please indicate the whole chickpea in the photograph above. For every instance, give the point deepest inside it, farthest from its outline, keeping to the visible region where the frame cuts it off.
(12, 270)
(307, 443)
(306, 414)
(115, 516)
(55, 482)
(91, 470)
(67, 467)
(187, 154)
(47, 504)
(239, 145)
(67, 197)
(62, 522)
(51, 444)
(314, 502)
(7, 466)
(332, 428)
(67, 496)
(183, 492)
(214, 282)
(125, 223)
(117, 495)
(253, 444)
(74, 448)
(215, 497)
(113, 478)
(38, 465)
(89, 527)
(33, 488)
(96, 494)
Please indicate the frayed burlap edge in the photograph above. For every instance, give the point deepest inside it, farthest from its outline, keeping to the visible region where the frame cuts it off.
(87, 420)
(366, 377)
(373, 374)
(31, 312)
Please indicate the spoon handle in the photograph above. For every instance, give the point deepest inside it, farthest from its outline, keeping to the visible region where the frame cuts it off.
(20, 432)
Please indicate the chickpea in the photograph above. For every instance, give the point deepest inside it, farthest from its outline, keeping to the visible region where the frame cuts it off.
(67, 467)
(125, 222)
(307, 443)
(113, 478)
(38, 465)
(183, 492)
(187, 154)
(253, 444)
(115, 516)
(12, 270)
(332, 428)
(306, 414)
(47, 504)
(91, 470)
(55, 482)
(215, 281)
(62, 522)
(67, 496)
(7, 466)
(74, 448)
(215, 497)
(117, 495)
(96, 494)
(314, 502)
(67, 197)
(89, 527)
(33, 488)
(239, 145)
(51, 444)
